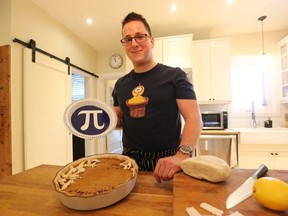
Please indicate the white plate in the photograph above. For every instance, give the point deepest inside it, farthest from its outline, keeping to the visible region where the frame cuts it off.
(90, 118)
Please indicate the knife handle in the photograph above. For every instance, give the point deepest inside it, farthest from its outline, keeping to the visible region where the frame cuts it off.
(262, 169)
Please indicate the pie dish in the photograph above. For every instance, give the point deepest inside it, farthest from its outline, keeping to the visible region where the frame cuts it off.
(96, 181)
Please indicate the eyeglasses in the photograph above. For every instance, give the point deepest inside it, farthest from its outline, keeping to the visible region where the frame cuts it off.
(139, 38)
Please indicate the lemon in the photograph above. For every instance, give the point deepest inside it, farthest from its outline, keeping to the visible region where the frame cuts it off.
(271, 193)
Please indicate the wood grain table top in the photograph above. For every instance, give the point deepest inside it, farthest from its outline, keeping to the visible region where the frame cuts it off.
(32, 193)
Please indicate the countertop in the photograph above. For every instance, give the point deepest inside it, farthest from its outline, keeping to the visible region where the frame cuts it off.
(32, 193)
(220, 132)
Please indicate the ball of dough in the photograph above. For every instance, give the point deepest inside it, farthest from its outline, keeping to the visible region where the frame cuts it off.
(208, 167)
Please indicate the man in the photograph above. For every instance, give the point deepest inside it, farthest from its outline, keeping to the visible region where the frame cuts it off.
(148, 102)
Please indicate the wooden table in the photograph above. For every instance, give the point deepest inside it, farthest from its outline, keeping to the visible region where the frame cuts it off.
(191, 192)
(32, 193)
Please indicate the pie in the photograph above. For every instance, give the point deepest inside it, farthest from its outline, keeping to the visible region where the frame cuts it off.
(95, 175)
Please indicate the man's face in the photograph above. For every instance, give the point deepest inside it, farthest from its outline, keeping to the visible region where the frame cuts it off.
(138, 52)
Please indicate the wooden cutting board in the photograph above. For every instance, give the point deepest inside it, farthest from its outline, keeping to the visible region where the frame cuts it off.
(5, 112)
(191, 192)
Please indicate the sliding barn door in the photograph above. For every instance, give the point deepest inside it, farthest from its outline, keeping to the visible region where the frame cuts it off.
(47, 93)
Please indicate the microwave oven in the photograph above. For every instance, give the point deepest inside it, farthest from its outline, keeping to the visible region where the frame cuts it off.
(214, 120)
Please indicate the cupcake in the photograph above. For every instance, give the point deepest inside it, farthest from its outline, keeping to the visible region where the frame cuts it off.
(137, 104)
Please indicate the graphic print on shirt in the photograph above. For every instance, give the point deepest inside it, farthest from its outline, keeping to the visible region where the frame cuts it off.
(137, 104)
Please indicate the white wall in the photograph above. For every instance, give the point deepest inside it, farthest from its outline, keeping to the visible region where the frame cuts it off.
(246, 44)
(103, 58)
(26, 21)
(5, 13)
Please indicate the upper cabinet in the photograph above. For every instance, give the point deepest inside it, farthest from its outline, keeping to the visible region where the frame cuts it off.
(157, 50)
(174, 51)
(283, 50)
(211, 71)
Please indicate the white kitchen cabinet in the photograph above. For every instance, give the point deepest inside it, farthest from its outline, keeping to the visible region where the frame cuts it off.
(177, 51)
(174, 51)
(273, 156)
(283, 50)
(157, 50)
(211, 71)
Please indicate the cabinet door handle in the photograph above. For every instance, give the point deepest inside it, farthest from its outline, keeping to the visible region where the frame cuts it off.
(272, 153)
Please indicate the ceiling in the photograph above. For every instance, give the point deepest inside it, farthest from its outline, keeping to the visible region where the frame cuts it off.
(204, 18)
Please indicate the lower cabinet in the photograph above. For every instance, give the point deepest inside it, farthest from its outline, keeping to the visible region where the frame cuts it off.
(273, 156)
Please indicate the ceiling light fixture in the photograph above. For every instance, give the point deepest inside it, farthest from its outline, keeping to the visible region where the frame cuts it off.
(262, 18)
(173, 8)
(89, 21)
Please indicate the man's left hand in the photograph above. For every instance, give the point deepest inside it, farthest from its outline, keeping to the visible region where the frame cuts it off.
(168, 166)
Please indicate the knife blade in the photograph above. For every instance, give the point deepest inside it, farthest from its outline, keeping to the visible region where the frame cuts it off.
(246, 189)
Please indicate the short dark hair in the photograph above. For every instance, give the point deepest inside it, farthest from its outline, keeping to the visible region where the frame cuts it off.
(136, 17)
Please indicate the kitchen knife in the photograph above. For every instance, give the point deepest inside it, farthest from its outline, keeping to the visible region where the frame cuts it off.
(246, 189)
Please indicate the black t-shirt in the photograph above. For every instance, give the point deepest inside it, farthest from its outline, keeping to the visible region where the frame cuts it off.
(160, 127)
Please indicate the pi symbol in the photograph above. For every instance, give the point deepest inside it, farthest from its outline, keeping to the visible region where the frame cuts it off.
(90, 120)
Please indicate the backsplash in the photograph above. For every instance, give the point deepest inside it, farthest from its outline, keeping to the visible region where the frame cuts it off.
(243, 122)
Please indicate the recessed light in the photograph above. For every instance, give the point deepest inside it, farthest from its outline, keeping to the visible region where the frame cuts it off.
(89, 21)
(230, 1)
(173, 8)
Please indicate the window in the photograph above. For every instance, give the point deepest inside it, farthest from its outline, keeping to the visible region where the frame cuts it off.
(253, 82)
(78, 87)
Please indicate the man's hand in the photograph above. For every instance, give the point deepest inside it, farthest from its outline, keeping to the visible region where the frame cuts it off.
(168, 166)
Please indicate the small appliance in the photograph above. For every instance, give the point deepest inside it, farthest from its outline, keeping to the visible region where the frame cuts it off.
(215, 120)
